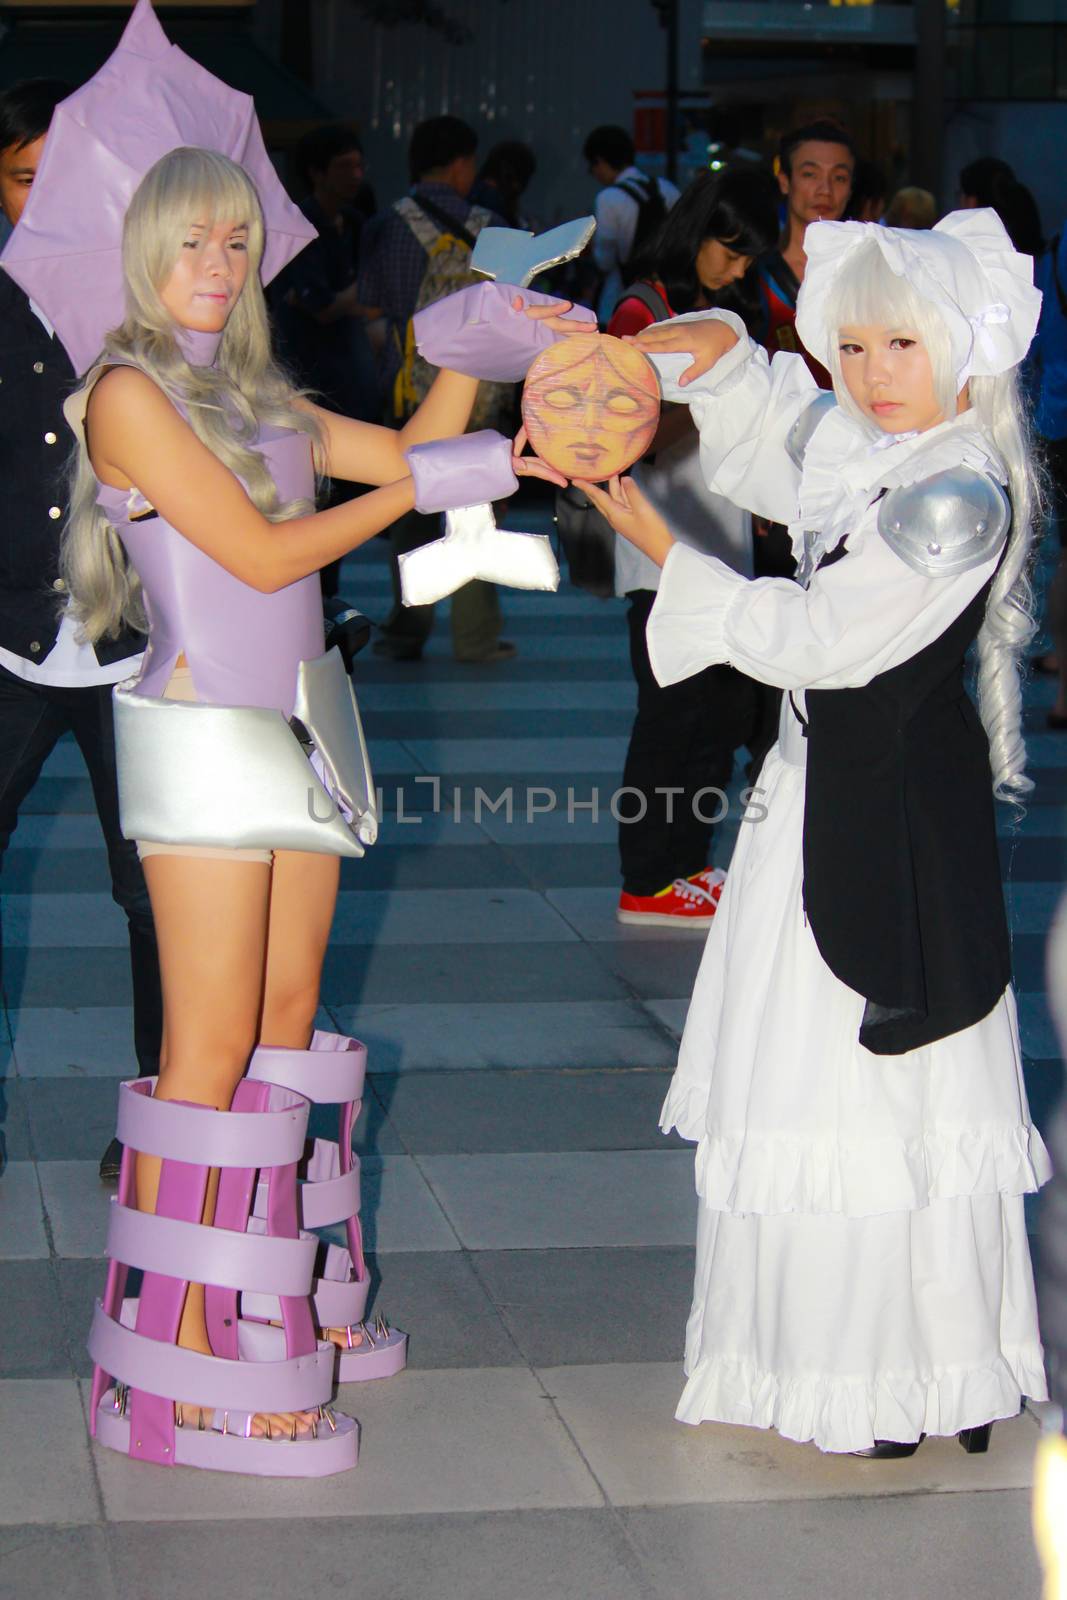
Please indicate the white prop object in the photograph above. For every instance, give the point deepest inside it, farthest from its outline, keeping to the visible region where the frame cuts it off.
(511, 256)
(474, 547)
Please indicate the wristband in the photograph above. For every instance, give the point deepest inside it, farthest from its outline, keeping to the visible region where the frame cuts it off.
(468, 471)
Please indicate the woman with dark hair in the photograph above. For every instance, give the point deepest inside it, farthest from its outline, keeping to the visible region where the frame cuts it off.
(706, 244)
(684, 737)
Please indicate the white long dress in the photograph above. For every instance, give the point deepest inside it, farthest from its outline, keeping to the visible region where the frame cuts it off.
(862, 1263)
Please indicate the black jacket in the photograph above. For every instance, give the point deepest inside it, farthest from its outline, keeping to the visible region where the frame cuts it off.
(35, 445)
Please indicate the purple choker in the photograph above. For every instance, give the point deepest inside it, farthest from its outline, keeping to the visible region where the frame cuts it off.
(198, 348)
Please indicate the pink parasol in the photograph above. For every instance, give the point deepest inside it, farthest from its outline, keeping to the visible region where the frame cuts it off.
(148, 97)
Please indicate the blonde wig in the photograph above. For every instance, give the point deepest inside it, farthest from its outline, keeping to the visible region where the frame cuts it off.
(867, 293)
(225, 404)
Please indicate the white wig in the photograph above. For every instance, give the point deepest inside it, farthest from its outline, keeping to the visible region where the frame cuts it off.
(865, 291)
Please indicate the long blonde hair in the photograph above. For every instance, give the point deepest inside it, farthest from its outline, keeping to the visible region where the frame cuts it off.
(225, 404)
(869, 294)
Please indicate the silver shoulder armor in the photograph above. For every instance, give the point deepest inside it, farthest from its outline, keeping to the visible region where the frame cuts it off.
(799, 436)
(947, 523)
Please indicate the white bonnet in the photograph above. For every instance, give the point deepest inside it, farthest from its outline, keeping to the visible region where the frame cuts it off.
(966, 266)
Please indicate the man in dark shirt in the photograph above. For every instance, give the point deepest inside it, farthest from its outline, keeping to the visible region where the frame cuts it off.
(393, 263)
(51, 682)
(815, 167)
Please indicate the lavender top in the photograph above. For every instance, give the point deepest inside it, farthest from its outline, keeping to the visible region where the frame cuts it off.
(243, 647)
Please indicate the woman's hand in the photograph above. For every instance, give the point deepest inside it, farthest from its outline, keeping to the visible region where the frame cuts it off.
(706, 341)
(532, 466)
(633, 515)
(552, 316)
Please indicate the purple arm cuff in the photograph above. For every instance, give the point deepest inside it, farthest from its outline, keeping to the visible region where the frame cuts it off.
(468, 471)
(478, 331)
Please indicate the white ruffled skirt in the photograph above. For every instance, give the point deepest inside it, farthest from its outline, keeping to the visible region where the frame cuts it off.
(862, 1266)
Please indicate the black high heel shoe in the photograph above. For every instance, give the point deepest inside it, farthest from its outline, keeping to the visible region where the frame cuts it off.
(976, 1440)
(890, 1449)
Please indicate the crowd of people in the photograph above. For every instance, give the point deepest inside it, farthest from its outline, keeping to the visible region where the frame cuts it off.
(839, 503)
(735, 239)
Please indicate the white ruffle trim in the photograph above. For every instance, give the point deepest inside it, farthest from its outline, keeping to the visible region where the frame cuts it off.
(767, 1174)
(840, 1414)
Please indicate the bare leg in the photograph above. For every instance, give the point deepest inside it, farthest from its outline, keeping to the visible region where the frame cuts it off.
(211, 921)
(303, 896)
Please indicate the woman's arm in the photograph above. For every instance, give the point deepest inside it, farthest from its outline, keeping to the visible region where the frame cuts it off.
(743, 406)
(360, 452)
(363, 452)
(861, 616)
(140, 439)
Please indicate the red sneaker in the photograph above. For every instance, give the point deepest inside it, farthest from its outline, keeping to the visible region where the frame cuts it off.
(684, 903)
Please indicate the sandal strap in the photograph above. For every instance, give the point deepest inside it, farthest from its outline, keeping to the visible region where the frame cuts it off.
(297, 1384)
(210, 1255)
(331, 1072)
(270, 1137)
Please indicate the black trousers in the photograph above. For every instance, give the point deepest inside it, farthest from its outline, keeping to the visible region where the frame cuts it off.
(684, 737)
(32, 719)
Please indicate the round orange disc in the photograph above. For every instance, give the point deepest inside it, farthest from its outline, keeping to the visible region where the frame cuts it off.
(590, 404)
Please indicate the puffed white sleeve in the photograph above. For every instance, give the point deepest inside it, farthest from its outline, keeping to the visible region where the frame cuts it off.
(861, 616)
(744, 407)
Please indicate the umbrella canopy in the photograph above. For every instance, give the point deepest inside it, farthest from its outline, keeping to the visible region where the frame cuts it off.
(149, 97)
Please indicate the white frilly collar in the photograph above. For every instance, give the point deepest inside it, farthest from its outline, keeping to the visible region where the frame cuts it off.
(846, 465)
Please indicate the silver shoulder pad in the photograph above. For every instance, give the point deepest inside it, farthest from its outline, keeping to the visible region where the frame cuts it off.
(799, 436)
(947, 523)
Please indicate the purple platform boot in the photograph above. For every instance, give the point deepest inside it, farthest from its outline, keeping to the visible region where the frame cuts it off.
(140, 1371)
(332, 1071)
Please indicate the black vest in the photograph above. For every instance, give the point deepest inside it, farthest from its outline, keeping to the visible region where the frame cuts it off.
(901, 872)
(35, 445)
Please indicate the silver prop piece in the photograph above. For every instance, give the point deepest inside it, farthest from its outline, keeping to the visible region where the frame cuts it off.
(511, 256)
(474, 547)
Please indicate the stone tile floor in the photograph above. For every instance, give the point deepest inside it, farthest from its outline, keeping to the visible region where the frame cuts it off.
(529, 1225)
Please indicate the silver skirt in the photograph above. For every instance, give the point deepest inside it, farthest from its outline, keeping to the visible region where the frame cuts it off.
(244, 777)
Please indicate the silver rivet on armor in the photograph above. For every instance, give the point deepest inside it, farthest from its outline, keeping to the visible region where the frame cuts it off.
(934, 549)
(980, 528)
(55, 513)
(58, 585)
(897, 527)
(35, 647)
(38, 366)
(49, 438)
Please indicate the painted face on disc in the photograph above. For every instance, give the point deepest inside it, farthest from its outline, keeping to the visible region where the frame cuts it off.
(590, 405)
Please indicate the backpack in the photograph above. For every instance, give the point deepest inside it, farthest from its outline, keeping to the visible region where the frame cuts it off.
(448, 245)
(651, 210)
